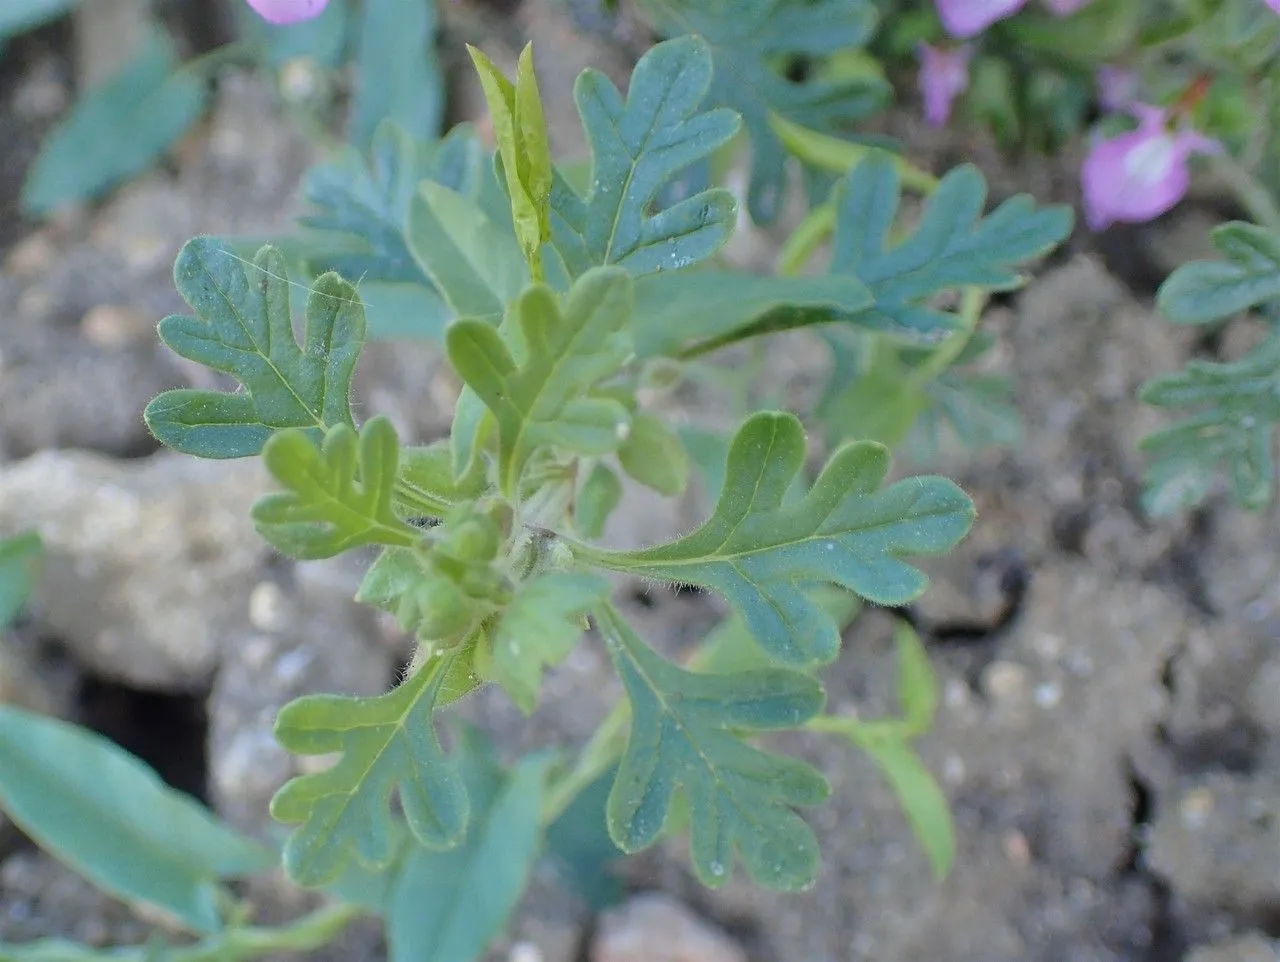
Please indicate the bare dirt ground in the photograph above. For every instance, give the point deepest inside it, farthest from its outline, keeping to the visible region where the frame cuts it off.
(1109, 736)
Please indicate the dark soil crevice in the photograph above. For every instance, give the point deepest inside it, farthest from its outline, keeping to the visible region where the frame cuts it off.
(1168, 942)
(167, 731)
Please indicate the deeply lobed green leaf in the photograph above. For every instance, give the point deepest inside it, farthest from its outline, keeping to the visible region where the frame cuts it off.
(761, 553)
(637, 146)
(1236, 407)
(539, 628)
(953, 245)
(685, 737)
(537, 380)
(448, 905)
(749, 41)
(387, 743)
(244, 327)
(1205, 291)
(340, 495)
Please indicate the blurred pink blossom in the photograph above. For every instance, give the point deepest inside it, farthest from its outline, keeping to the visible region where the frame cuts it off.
(966, 18)
(288, 11)
(1139, 175)
(944, 74)
(1274, 5)
(1117, 86)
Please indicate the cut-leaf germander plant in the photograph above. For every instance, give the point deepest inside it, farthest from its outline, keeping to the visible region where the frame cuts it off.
(562, 295)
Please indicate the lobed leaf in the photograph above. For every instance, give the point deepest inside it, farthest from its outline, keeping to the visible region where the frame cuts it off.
(693, 310)
(386, 743)
(117, 129)
(637, 146)
(761, 552)
(107, 815)
(750, 41)
(685, 737)
(340, 495)
(539, 628)
(448, 905)
(953, 245)
(1238, 406)
(541, 397)
(244, 327)
(1205, 291)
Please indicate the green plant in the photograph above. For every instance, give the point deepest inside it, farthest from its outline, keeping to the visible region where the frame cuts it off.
(559, 293)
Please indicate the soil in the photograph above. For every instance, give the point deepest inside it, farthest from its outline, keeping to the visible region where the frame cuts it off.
(1108, 737)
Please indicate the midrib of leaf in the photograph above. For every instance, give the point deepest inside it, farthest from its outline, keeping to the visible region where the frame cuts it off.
(143, 841)
(527, 417)
(428, 675)
(679, 722)
(631, 169)
(409, 493)
(244, 327)
(368, 521)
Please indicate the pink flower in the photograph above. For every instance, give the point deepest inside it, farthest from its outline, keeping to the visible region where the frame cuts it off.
(1274, 5)
(966, 18)
(1117, 86)
(944, 74)
(288, 11)
(1142, 174)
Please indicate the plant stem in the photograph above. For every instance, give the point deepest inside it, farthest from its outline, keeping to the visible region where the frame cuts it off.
(972, 302)
(1252, 195)
(603, 749)
(804, 240)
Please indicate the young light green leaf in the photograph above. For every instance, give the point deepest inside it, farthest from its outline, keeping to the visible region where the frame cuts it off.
(636, 147)
(684, 737)
(19, 559)
(544, 398)
(388, 742)
(399, 77)
(748, 42)
(597, 498)
(340, 494)
(654, 455)
(918, 793)
(953, 246)
(917, 685)
(473, 261)
(244, 328)
(448, 906)
(761, 553)
(106, 814)
(1205, 291)
(117, 129)
(693, 311)
(521, 132)
(1238, 406)
(539, 628)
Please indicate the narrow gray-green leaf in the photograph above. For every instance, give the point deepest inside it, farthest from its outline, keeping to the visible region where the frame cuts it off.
(106, 814)
(399, 76)
(116, 130)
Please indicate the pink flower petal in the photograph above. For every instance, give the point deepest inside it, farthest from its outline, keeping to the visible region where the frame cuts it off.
(965, 18)
(1274, 5)
(944, 74)
(288, 11)
(1139, 175)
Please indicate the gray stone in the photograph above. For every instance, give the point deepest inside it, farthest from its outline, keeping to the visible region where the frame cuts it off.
(654, 927)
(1249, 948)
(148, 563)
